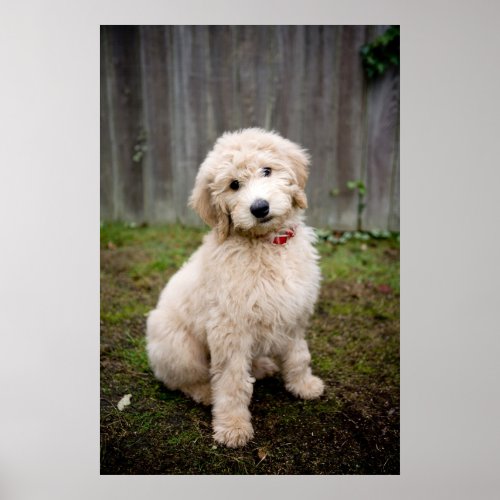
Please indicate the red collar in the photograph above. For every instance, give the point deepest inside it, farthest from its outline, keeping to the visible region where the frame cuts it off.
(283, 236)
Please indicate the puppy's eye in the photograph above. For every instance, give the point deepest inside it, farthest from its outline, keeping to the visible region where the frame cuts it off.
(266, 171)
(234, 185)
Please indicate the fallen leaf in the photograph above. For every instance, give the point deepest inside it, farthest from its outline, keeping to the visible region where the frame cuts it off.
(262, 453)
(384, 289)
(111, 245)
(125, 401)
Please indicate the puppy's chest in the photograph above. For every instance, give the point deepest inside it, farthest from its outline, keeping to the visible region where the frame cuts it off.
(275, 286)
(284, 273)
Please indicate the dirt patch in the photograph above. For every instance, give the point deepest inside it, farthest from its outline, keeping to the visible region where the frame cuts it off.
(353, 338)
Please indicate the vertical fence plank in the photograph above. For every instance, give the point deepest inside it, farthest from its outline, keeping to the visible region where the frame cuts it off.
(223, 83)
(280, 118)
(352, 88)
(311, 116)
(265, 75)
(158, 180)
(319, 102)
(393, 224)
(382, 119)
(383, 99)
(291, 104)
(126, 105)
(110, 151)
(329, 144)
(106, 179)
(185, 119)
(171, 91)
(247, 77)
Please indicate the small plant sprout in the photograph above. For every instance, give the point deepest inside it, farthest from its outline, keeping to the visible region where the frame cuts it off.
(360, 187)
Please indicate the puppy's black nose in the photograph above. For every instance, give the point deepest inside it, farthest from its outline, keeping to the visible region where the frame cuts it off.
(259, 208)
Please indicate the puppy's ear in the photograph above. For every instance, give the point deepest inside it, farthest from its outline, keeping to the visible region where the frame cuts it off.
(298, 160)
(208, 209)
(223, 224)
(201, 197)
(299, 198)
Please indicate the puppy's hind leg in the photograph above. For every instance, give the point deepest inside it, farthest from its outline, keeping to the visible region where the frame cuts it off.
(178, 358)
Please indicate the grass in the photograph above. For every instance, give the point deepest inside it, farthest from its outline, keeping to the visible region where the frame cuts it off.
(354, 342)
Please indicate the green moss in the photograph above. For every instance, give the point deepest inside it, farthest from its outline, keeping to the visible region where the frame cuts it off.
(323, 364)
(134, 354)
(184, 437)
(379, 310)
(286, 414)
(169, 260)
(365, 368)
(116, 234)
(125, 312)
(121, 234)
(142, 422)
(361, 263)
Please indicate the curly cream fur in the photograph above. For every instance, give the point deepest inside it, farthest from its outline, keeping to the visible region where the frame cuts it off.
(239, 308)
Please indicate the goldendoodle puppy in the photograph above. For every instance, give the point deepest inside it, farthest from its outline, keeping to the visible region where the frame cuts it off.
(239, 308)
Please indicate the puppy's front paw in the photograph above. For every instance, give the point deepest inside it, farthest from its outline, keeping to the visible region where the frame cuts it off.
(309, 387)
(233, 432)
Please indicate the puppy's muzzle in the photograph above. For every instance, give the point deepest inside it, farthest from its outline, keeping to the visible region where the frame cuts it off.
(259, 208)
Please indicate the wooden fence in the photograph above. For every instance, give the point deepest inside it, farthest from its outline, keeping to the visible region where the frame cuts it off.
(167, 93)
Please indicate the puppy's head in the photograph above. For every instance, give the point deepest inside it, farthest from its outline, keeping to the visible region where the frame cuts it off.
(252, 180)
